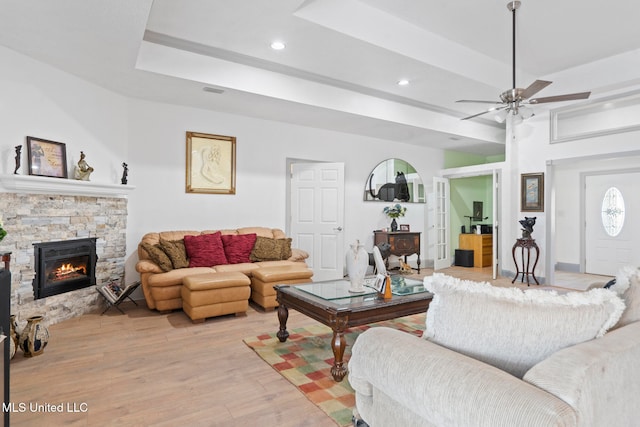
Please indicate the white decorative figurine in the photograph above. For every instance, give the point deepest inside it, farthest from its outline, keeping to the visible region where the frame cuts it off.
(357, 264)
(83, 170)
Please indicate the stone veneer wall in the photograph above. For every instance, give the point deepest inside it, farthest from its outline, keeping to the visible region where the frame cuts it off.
(33, 218)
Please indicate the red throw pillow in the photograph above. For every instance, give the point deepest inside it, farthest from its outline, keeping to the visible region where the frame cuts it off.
(237, 247)
(205, 250)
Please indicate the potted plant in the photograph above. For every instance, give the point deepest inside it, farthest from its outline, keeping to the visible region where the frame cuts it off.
(394, 211)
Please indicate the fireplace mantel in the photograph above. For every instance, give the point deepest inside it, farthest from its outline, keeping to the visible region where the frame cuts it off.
(44, 185)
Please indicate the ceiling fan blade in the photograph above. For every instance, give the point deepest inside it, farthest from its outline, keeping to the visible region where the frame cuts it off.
(485, 112)
(478, 101)
(557, 98)
(534, 88)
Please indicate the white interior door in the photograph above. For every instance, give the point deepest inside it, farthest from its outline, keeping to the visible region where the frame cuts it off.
(610, 229)
(441, 244)
(317, 216)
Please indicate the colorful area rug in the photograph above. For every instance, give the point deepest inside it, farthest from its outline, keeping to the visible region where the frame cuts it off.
(305, 359)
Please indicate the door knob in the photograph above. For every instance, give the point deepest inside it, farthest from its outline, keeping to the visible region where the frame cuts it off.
(338, 229)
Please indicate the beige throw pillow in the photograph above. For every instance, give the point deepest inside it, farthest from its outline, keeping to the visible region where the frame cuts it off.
(513, 329)
(267, 249)
(176, 251)
(158, 256)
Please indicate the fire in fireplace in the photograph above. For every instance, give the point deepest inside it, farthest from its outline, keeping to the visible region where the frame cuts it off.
(64, 266)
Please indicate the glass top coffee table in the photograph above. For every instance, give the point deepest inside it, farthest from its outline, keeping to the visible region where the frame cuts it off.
(331, 304)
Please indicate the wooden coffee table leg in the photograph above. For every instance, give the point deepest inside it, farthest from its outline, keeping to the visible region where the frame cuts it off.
(283, 316)
(338, 345)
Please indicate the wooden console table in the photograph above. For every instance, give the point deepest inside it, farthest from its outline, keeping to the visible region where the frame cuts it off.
(403, 243)
(525, 245)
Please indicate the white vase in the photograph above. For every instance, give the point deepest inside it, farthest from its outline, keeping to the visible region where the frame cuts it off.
(357, 264)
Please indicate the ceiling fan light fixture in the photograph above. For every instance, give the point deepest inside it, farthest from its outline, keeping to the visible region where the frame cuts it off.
(501, 116)
(512, 99)
(526, 112)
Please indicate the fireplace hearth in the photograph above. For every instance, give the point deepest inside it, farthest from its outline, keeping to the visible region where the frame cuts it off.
(64, 266)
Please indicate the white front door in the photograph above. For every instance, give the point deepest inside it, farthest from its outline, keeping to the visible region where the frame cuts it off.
(609, 241)
(440, 224)
(317, 216)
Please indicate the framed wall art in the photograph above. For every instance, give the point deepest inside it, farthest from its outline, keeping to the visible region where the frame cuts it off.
(46, 158)
(478, 211)
(532, 192)
(211, 164)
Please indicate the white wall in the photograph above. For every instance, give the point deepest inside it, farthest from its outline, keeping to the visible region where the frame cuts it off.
(157, 169)
(41, 101)
(530, 152)
(568, 206)
(38, 100)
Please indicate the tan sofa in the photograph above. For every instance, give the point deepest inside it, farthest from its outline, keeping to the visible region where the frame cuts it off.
(163, 289)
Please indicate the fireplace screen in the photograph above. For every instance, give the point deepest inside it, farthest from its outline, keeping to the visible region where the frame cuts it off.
(64, 266)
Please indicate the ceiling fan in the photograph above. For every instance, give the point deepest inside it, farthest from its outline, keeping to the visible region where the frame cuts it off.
(513, 100)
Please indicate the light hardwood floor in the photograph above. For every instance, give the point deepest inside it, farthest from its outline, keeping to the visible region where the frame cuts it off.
(149, 369)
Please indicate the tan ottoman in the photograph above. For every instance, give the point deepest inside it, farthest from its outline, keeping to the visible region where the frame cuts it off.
(215, 294)
(264, 278)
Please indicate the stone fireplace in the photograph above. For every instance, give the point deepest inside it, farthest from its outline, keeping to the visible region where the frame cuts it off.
(34, 220)
(64, 266)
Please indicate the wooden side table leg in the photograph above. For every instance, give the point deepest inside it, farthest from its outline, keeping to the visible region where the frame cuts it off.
(524, 270)
(283, 316)
(533, 272)
(513, 254)
(528, 263)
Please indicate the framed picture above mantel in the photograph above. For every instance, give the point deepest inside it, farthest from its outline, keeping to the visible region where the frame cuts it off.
(46, 158)
(211, 164)
(532, 192)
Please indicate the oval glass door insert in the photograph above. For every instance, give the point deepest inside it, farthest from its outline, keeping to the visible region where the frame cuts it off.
(613, 212)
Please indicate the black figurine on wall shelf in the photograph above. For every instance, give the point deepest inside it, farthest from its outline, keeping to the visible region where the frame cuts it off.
(125, 173)
(18, 158)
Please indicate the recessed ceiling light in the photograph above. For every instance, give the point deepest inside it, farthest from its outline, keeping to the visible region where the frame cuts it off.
(403, 82)
(277, 45)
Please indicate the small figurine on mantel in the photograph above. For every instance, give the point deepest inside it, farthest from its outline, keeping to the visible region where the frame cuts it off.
(18, 157)
(83, 170)
(527, 226)
(125, 173)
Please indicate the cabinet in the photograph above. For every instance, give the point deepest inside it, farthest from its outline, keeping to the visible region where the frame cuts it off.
(481, 245)
(403, 243)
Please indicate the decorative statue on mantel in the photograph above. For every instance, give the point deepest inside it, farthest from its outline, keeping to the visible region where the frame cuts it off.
(18, 157)
(125, 173)
(83, 170)
(527, 226)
